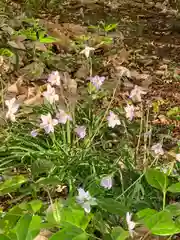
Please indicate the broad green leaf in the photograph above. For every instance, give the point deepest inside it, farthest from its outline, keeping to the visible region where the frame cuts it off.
(156, 179)
(161, 224)
(119, 233)
(35, 205)
(54, 213)
(22, 227)
(10, 219)
(34, 228)
(173, 209)
(146, 213)
(82, 236)
(49, 181)
(3, 237)
(70, 233)
(12, 184)
(48, 39)
(65, 215)
(174, 188)
(112, 206)
(76, 217)
(27, 227)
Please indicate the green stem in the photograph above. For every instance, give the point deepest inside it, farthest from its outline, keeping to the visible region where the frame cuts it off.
(68, 132)
(164, 199)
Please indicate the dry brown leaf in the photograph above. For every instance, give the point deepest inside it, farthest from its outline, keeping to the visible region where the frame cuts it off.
(123, 71)
(43, 235)
(40, 46)
(17, 86)
(82, 72)
(123, 56)
(36, 100)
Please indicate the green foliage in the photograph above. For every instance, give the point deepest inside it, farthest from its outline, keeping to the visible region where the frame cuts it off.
(11, 184)
(156, 179)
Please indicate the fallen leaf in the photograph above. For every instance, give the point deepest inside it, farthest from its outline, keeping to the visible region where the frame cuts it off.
(123, 56)
(43, 235)
(82, 72)
(36, 100)
(17, 86)
(40, 46)
(123, 71)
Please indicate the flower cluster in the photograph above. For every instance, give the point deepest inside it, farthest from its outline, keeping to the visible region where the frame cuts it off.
(86, 201)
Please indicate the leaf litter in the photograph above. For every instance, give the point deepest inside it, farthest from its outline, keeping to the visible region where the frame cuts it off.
(143, 56)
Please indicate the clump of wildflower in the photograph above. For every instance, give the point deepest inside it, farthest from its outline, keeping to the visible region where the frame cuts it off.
(34, 133)
(113, 120)
(54, 78)
(106, 182)
(86, 51)
(12, 109)
(80, 131)
(48, 123)
(129, 109)
(157, 148)
(85, 200)
(63, 117)
(50, 95)
(136, 93)
(130, 223)
(97, 81)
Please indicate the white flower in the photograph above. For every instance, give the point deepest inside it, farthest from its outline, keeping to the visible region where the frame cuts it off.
(129, 109)
(50, 94)
(131, 224)
(12, 109)
(106, 182)
(54, 78)
(80, 131)
(178, 157)
(113, 120)
(48, 123)
(85, 200)
(87, 51)
(63, 117)
(157, 148)
(136, 93)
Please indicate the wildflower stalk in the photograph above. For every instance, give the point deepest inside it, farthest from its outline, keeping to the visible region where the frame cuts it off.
(68, 132)
(137, 180)
(139, 138)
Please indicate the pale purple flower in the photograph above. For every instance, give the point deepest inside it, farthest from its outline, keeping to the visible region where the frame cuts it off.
(178, 157)
(86, 51)
(50, 95)
(113, 120)
(12, 109)
(130, 223)
(34, 133)
(148, 133)
(97, 81)
(80, 131)
(157, 148)
(106, 182)
(129, 109)
(63, 117)
(48, 123)
(85, 200)
(136, 93)
(54, 78)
